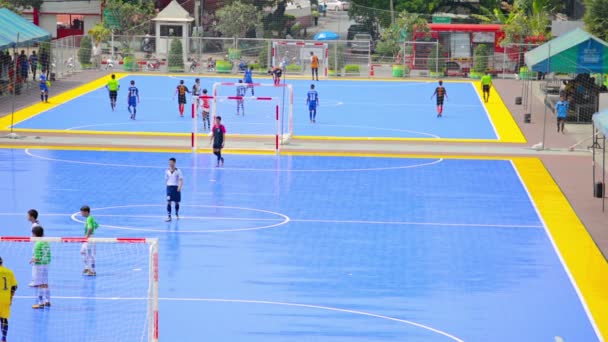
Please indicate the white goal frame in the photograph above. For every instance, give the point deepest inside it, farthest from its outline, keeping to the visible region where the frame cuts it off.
(283, 112)
(306, 47)
(153, 267)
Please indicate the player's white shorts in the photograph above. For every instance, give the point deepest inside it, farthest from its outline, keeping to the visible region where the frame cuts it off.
(40, 275)
(88, 249)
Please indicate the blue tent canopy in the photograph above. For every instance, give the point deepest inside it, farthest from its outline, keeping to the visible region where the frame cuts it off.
(601, 122)
(327, 35)
(17, 31)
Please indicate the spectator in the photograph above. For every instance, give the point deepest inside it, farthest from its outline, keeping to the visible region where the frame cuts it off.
(23, 65)
(34, 64)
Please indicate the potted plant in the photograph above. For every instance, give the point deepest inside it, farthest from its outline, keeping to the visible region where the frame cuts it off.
(176, 56)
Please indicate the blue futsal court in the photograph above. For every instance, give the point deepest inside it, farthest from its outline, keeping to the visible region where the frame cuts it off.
(347, 109)
(316, 249)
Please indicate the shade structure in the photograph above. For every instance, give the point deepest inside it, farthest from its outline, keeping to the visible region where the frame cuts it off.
(574, 52)
(17, 31)
(327, 35)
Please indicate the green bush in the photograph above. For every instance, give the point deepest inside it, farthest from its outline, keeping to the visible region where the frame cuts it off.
(480, 58)
(129, 64)
(352, 69)
(294, 68)
(176, 56)
(84, 53)
(223, 67)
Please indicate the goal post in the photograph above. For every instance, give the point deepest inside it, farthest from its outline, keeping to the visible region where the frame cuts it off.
(121, 300)
(294, 56)
(264, 113)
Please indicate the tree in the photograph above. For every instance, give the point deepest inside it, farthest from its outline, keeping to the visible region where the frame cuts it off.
(176, 56)
(84, 52)
(100, 33)
(18, 5)
(238, 18)
(481, 54)
(527, 21)
(596, 18)
(403, 29)
(128, 18)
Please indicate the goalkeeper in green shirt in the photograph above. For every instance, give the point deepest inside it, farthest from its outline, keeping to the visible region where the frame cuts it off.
(88, 248)
(40, 261)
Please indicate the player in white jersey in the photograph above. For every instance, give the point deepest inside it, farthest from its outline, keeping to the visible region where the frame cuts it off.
(174, 181)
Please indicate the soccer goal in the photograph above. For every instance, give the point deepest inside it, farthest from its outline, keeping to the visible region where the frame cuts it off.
(294, 56)
(120, 303)
(258, 111)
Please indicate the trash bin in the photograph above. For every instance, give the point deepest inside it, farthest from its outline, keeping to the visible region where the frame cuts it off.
(598, 191)
(527, 118)
(518, 100)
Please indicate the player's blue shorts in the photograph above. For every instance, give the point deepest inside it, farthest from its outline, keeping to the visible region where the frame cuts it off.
(173, 195)
(132, 101)
(312, 106)
(44, 88)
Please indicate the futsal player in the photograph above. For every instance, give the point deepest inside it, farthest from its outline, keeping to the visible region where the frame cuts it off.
(181, 97)
(87, 250)
(7, 291)
(486, 84)
(32, 217)
(276, 73)
(312, 100)
(44, 89)
(240, 102)
(113, 86)
(133, 99)
(248, 78)
(41, 259)
(218, 138)
(206, 110)
(196, 93)
(174, 181)
(441, 93)
(561, 109)
(314, 65)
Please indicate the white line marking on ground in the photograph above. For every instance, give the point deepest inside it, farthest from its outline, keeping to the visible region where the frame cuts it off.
(265, 302)
(486, 110)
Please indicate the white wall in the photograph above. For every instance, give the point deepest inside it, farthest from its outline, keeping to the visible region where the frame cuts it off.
(72, 7)
(559, 27)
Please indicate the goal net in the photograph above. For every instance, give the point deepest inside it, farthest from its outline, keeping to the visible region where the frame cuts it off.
(295, 57)
(119, 303)
(255, 111)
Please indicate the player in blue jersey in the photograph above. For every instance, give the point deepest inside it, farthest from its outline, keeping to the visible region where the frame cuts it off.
(240, 103)
(44, 89)
(133, 99)
(312, 100)
(248, 78)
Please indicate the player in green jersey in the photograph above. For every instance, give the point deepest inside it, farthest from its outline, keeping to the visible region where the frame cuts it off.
(88, 248)
(41, 259)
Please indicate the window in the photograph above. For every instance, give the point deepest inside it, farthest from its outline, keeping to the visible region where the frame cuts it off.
(170, 30)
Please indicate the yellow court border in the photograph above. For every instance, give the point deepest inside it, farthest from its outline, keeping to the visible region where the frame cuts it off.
(581, 256)
(508, 131)
(54, 101)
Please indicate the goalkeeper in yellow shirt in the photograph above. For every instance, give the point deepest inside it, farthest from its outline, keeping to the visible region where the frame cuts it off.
(8, 286)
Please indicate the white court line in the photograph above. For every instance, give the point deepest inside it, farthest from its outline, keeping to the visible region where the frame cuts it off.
(486, 110)
(559, 255)
(384, 129)
(29, 153)
(361, 222)
(266, 302)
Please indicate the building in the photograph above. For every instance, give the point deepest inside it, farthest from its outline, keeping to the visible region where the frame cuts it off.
(66, 17)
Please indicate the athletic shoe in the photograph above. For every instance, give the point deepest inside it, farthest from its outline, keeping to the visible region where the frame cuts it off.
(31, 284)
(38, 306)
(168, 219)
(85, 271)
(91, 273)
(47, 304)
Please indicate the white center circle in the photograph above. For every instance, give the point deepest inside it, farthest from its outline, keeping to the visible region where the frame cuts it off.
(277, 220)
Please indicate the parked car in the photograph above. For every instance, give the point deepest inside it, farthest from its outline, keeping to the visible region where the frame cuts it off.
(336, 5)
(362, 42)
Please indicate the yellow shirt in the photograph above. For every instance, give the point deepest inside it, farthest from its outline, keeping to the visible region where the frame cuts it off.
(113, 85)
(7, 282)
(486, 80)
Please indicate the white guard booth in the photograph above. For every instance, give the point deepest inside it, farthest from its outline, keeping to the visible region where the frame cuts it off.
(173, 21)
